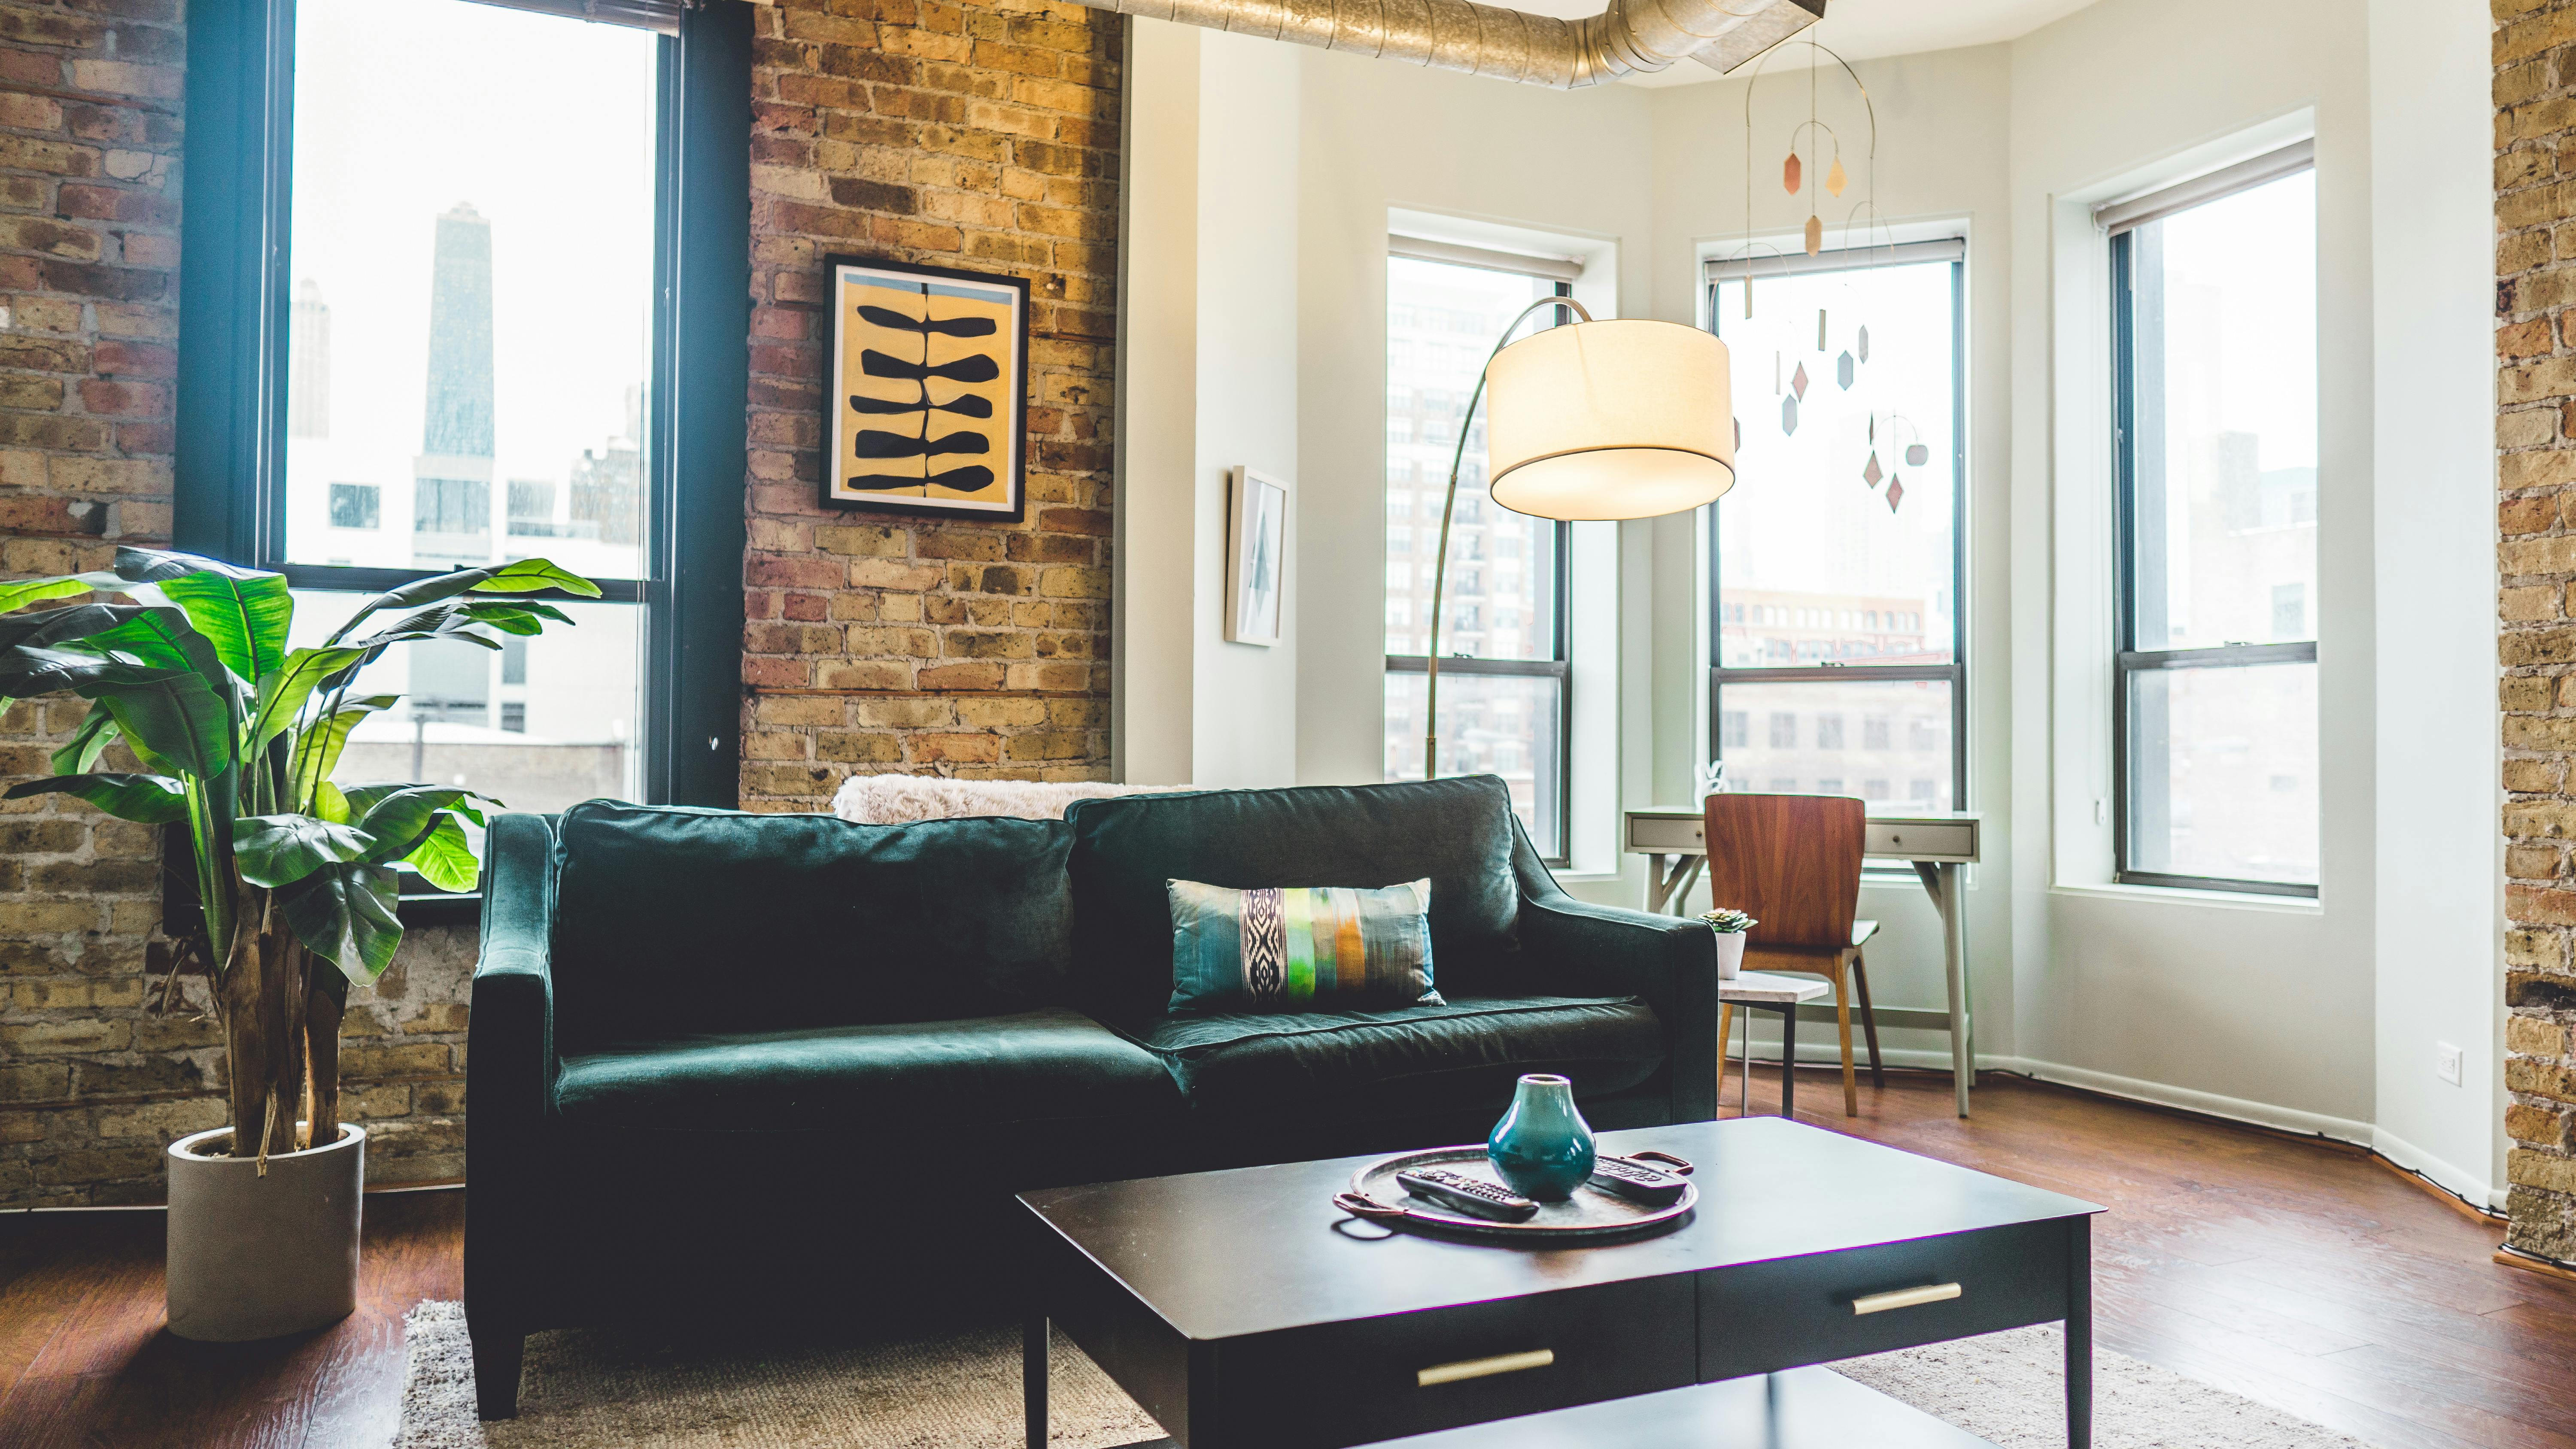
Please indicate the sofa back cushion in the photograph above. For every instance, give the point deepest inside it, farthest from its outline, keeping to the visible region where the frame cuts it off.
(1457, 832)
(672, 922)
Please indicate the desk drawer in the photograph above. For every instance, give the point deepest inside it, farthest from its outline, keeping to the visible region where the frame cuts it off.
(1381, 1378)
(1678, 834)
(1762, 1317)
(1922, 840)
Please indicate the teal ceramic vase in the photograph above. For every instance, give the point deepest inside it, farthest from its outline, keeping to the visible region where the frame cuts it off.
(1542, 1149)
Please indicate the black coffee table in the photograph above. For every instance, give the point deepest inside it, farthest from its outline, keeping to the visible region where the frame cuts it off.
(1243, 1312)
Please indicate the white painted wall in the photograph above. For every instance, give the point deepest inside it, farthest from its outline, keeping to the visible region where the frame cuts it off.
(2440, 921)
(1208, 382)
(2319, 1015)
(2258, 1002)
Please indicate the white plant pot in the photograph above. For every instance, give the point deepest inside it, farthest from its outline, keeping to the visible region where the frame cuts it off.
(255, 1256)
(1730, 954)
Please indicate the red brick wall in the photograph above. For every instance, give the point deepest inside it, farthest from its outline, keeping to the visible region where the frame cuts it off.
(2535, 97)
(983, 137)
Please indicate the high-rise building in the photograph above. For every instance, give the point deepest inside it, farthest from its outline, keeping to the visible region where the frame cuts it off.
(308, 382)
(452, 487)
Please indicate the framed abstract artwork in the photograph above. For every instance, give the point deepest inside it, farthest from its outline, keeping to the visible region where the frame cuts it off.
(927, 408)
(1256, 555)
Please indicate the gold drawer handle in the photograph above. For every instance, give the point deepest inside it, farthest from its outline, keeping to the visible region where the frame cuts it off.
(1904, 1298)
(1478, 1368)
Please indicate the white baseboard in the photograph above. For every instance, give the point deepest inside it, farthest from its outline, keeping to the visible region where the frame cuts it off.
(2468, 1186)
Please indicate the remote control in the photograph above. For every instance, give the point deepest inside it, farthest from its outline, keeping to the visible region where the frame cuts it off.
(1467, 1194)
(1636, 1182)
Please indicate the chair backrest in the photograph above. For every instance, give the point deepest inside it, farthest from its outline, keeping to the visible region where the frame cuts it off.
(1792, 861)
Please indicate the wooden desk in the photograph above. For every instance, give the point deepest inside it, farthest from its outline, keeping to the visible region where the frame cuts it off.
(1938, 846)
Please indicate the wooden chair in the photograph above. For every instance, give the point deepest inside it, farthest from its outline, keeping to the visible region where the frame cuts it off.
(1793, 863)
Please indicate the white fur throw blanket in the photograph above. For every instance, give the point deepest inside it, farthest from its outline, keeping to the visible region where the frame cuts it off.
(900, 799)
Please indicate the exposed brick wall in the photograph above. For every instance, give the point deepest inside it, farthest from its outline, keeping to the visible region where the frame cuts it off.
(2535, 177)
(982, 137)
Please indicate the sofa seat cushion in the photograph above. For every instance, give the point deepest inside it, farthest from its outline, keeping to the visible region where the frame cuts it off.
(913, 1077)
(1421, 1057)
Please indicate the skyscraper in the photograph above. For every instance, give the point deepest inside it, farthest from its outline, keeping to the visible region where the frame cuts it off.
(452, 487)
(308, 384)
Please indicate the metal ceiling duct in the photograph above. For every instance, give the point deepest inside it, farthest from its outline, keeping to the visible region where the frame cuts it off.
(1631, 37)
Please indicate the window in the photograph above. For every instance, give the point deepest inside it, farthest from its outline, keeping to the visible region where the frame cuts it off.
(353, 505)
(1836, 567)
(1505, 705)
(2215, 718)
(478, 322)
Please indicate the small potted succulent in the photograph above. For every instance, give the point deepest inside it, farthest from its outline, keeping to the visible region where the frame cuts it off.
(1730, 926)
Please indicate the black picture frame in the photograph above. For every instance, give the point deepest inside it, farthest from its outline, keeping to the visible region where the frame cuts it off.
(840, 422)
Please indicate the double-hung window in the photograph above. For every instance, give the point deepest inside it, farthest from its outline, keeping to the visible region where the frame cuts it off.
(2214, 291)
(1505, 701)
(1838, 644)
(466, 285)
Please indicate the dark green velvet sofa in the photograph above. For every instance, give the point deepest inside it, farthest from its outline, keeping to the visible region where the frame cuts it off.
(740, 1066)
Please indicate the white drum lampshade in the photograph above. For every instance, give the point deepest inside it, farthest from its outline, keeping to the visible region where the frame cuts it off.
(1612, 419)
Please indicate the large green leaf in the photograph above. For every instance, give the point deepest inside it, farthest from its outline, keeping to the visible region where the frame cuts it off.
(318, 747)
(345, 914)
(399, 819)
(518, 616)
(144, 799)
(171, 713)
(98, 730)
(284, 692)
(69, 624)
(443, 857)
(244, 613)
(19, 593)
(535, 575)
(278, 850)
(160, 635)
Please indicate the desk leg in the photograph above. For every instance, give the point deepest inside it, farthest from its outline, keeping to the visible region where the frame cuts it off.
(2079, 1335)
(1789, 1061)
(1671, 887)
(1033, 1378)
(1943, 881)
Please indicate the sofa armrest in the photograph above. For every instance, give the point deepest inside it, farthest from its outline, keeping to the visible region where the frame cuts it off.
(1668, 960)
(510, 1068)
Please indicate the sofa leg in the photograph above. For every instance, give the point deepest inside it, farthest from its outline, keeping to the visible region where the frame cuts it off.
(496, 1372)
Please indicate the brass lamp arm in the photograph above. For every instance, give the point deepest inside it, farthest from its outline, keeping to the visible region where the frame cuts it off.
(1440, 561)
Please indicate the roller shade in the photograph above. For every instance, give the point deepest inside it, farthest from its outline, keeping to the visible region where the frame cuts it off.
(2116, 217)
(1555, 269)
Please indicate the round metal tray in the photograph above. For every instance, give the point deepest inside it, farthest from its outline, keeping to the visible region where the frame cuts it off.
(1589, 1215)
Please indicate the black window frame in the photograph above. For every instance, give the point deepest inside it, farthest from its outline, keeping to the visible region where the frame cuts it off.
(1955, 673)
(2127, 659)
(235, 302)
(1558, 853)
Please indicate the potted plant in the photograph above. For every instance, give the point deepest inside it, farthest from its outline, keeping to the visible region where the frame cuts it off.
(1730, 926)
(238, 735)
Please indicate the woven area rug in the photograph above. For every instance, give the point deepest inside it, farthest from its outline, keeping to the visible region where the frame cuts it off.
(601, 1389)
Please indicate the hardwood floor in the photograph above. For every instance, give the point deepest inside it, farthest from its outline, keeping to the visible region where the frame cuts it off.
(2300, 1274)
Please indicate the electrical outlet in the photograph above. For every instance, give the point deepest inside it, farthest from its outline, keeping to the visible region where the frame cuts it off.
(2446, 1062)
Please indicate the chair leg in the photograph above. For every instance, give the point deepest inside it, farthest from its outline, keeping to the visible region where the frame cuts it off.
(1842, 1019)
(1725, 1025)
(497, 1357)
(1868, 1020)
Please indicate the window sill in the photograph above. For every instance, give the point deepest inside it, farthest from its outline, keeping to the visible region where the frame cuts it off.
(2185, 896)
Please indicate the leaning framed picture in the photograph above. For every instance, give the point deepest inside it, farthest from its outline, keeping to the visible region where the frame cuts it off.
(927, 411)
(1256, 555)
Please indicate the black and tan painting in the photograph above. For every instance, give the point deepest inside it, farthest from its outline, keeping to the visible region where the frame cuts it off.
(927, 407)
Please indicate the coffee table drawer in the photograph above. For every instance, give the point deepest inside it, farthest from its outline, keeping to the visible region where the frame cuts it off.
(1761, 1317)
(1410, 1373)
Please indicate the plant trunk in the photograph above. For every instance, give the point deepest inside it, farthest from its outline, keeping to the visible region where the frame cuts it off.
(322, 1009)
(268, 1002)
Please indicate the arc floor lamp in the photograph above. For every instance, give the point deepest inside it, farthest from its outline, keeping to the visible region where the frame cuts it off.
(1593, 421)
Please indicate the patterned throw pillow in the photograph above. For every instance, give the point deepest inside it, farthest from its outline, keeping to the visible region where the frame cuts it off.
(1314, 948)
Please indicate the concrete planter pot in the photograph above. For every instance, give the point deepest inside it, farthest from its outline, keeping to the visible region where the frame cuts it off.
(1730, 954)
(255, 1256)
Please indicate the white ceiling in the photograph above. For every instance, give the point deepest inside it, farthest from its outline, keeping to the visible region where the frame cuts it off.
(1859, 28)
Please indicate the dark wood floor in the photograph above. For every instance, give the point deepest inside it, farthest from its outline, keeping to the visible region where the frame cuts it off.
(2305, 1276)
